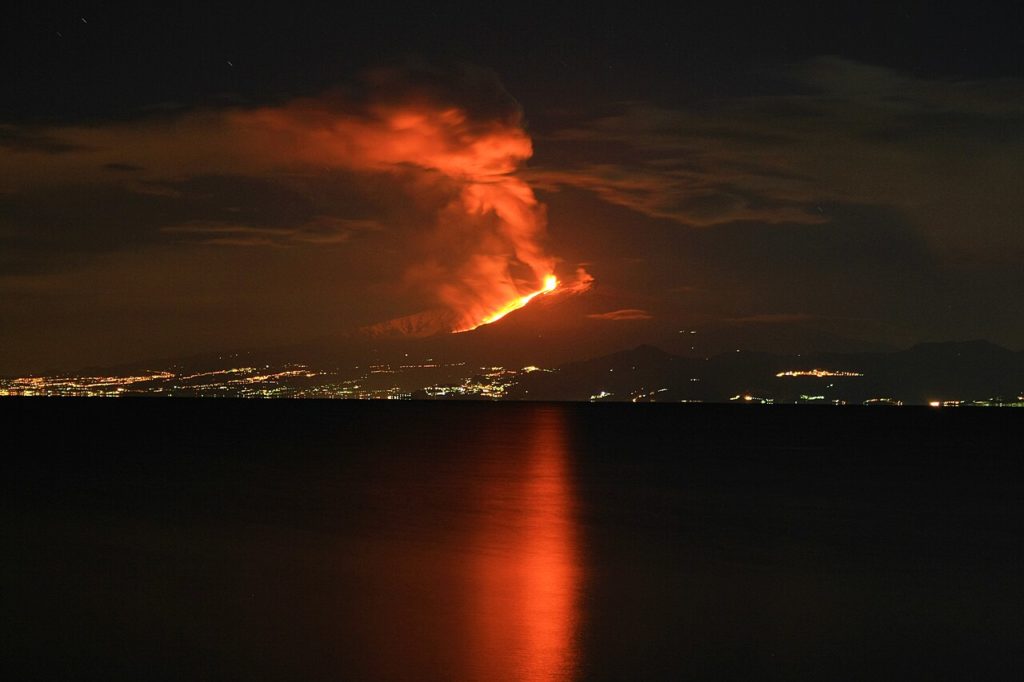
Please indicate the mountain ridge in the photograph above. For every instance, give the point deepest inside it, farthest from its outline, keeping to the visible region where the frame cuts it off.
(926, 372)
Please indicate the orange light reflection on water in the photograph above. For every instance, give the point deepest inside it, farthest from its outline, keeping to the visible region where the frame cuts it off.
(526, 575)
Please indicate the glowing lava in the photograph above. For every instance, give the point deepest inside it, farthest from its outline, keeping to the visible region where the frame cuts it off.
(550, 284)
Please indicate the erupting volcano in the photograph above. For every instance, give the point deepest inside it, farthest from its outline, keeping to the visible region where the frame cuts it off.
(465, 245)
(485, 253)
(550, 284)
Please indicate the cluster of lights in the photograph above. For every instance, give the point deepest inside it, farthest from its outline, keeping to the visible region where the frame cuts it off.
(238, 381)
(818, 373)
(217, 372)
(77, 386)
(299, 381)
(991, 402)
(644, 396)
(748, 398)
(493, 384)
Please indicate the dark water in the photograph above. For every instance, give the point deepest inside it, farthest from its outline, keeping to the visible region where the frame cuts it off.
(304, 540)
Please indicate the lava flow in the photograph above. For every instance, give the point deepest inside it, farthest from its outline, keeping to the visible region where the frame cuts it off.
(550, 284)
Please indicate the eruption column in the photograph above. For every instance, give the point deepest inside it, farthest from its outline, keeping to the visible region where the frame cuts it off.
(490, 235)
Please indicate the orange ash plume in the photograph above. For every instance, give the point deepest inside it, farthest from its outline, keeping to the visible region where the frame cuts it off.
(489, 238)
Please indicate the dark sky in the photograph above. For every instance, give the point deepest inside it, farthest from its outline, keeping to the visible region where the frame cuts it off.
(165, 187)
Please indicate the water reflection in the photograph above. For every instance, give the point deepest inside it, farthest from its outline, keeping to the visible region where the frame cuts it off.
(446, 549)
(525, 570)
(428, 541)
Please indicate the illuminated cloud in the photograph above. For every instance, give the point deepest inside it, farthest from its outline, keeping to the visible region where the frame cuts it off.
(454, 149)
(827, 131)
(624, 314)
(836, 181)
(321, 230)
(673, 193)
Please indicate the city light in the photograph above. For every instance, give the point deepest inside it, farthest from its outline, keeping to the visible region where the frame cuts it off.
(818, 373)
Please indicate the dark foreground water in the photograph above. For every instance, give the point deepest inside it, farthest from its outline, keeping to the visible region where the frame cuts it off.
(281, 540)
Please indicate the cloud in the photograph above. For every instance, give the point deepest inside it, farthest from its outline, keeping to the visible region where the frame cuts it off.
(674, 193)
(322, 230)
(624, 314)
(828, 131)
(447, 143)
(893, 194)
(26, 140)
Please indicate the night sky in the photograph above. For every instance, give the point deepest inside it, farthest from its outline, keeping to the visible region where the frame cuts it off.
(174, 181)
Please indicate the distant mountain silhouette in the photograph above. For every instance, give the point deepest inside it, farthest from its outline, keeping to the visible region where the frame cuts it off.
(551, 331)
(702, 363)
(950, 371)
(969, 370)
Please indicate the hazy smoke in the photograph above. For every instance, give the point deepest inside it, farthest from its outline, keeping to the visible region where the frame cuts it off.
(487, 245)
(452, 139)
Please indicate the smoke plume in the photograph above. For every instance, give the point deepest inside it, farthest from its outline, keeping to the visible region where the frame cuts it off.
(452, 140)
(486, 250)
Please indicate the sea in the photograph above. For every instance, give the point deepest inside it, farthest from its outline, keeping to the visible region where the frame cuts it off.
(202, 539)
